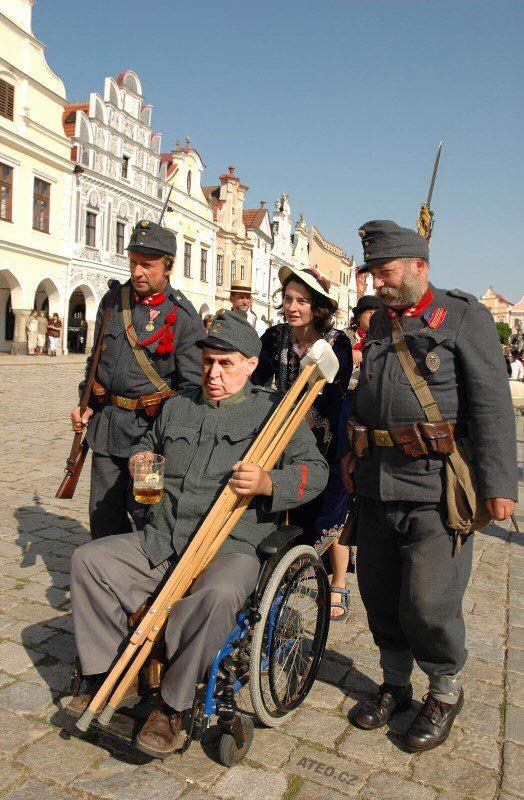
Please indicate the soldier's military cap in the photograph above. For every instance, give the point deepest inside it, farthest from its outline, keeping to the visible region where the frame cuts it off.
(368, 302)
(231, 331)
(148, 237)
(384, 240)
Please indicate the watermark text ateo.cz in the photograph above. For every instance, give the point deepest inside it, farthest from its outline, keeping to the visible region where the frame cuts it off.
(327, 770)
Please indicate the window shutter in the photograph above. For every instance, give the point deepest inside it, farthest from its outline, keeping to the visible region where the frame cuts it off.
(7, 99)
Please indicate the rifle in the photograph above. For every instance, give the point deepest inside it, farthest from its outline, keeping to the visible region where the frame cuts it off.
(77, 456)
(425, 219)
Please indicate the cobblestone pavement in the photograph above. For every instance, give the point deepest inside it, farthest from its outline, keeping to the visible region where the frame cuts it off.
(318, 754)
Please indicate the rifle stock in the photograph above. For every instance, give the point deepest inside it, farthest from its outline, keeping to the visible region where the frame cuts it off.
(77, 456)
(74, 465)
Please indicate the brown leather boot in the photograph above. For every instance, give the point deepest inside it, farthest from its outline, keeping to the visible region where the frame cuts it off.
(374, 712)
(81, 701)
(159, 735)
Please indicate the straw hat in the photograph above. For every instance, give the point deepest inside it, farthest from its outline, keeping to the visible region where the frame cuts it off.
(241, 285)
(311, 278)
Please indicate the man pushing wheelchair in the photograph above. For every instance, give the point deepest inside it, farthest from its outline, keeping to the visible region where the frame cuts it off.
(203, 437)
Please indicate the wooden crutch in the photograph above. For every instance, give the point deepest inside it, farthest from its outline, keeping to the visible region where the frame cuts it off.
(221, 519)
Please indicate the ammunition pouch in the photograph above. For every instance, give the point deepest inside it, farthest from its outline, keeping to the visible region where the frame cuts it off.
(358, 438)
(99, 395)
(439, 436)
(409, 440)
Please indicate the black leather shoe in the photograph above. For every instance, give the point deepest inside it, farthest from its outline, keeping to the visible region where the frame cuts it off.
(433, 723)
(374, 712)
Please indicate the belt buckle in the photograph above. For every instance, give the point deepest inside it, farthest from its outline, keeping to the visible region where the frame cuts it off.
(382, 438)
(125, 402)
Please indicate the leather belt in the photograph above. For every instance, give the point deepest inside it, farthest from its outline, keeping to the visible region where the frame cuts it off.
(382, 438)
(141, 403)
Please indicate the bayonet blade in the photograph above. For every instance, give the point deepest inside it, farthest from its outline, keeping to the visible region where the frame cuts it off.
(165, 205)
(434, 175)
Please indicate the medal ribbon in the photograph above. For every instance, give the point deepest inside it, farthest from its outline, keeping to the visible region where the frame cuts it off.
(164, 336)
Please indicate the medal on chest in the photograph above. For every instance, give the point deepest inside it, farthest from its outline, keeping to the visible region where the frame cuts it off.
(153, 314)
(432, 361)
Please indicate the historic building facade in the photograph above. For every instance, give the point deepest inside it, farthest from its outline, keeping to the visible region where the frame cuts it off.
(191, 219)
(119, 178)
(340, 269)
(234, 250)
(35, 178)
(258, 231)
(497, 305)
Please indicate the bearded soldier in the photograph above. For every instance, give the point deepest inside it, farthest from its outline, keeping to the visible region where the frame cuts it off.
(412, 573)
(148, 354)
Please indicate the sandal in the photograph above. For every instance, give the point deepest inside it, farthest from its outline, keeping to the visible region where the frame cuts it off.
(344, 604)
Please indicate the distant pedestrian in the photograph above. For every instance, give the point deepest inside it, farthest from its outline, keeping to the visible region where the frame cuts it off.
(32, 332)
(517, 368)
(362, 313)
(41, 333)
(54, 331)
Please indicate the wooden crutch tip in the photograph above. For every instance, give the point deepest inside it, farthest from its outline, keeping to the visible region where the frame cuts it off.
(85, 720)
(105, 717)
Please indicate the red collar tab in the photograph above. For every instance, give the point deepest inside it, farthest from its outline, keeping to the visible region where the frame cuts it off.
(150, 299)
(362, 336)
(413, 311)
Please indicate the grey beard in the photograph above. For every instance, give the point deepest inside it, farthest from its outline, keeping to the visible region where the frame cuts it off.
(408, 294)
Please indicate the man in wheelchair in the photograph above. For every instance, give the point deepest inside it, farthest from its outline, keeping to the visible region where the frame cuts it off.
(203, 437)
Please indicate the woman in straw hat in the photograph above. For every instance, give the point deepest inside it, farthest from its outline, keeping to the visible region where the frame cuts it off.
(308, 312)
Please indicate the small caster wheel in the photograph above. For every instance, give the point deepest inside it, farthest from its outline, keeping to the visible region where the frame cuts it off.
(228, 752)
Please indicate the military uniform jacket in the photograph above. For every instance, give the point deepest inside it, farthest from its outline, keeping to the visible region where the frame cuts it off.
(470, 387)
(112, 431)
(201, 440)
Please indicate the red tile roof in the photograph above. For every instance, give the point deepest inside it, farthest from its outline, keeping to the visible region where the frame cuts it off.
(253, 217)
(69, 117)
(212, 195)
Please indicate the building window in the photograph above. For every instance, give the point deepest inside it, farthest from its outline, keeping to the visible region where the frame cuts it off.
(233, 269)
(7, 100)
(6, 192)
(90, 229)
(187, 260)
(220, 270)
(188, 182)
(242, 271)
(125, 166)
(203, 264)
(120, 235)
(41, 202)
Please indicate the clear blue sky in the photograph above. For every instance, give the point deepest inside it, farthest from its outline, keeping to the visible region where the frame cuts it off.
(340, 104)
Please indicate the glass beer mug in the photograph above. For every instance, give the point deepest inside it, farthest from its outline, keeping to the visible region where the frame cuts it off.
(148, 483)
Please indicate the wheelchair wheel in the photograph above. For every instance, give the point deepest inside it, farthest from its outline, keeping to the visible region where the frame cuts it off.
(289, 639)
(228, 751)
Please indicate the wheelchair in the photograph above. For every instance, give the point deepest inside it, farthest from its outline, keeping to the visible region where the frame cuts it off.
(275, 649)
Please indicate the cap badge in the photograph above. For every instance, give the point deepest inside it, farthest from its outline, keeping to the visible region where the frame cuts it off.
(144, 223)
(432, 361)
(215, 327)
(361, 233)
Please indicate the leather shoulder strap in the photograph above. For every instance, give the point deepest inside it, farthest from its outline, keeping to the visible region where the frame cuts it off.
(143, 362)
(412, 373)
(86, 394)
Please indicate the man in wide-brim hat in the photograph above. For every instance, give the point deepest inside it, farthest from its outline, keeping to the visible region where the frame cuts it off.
(241, 296)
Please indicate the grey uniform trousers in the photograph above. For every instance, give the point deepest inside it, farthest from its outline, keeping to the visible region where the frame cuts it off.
(111, 578)
(412, 586)
(111, 501)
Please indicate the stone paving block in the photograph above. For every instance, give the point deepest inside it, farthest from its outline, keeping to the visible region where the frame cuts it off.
(516, 637)
(484, 671)
(341, 774)
(16, 659)
(60, 580)
(458, 777)
(314, 791)
(516, 567)
(516, 616)
(514, 725)
(513, 778)
(55, 676)
(37, 593)
(516, 600)
(483, 750)
(60, 759)
(25, 698)
(24, 570)
(515, 689)
(482, 645)
(325, 696)
(39, 791)
(316, 726)
(8, 602)
(64, 623)
(270, 747)
(383, 786)
(118, 780)
(515, 662)
(30, 635)
(332, 672)
(480, 717)
(361, 682)
(54, 533)
(376, 749)
(9, 550)
(16, 732)
(9, 775)
(61, 647)
(194, 766)
(480, 692)
(197, 794)
(242, 781)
